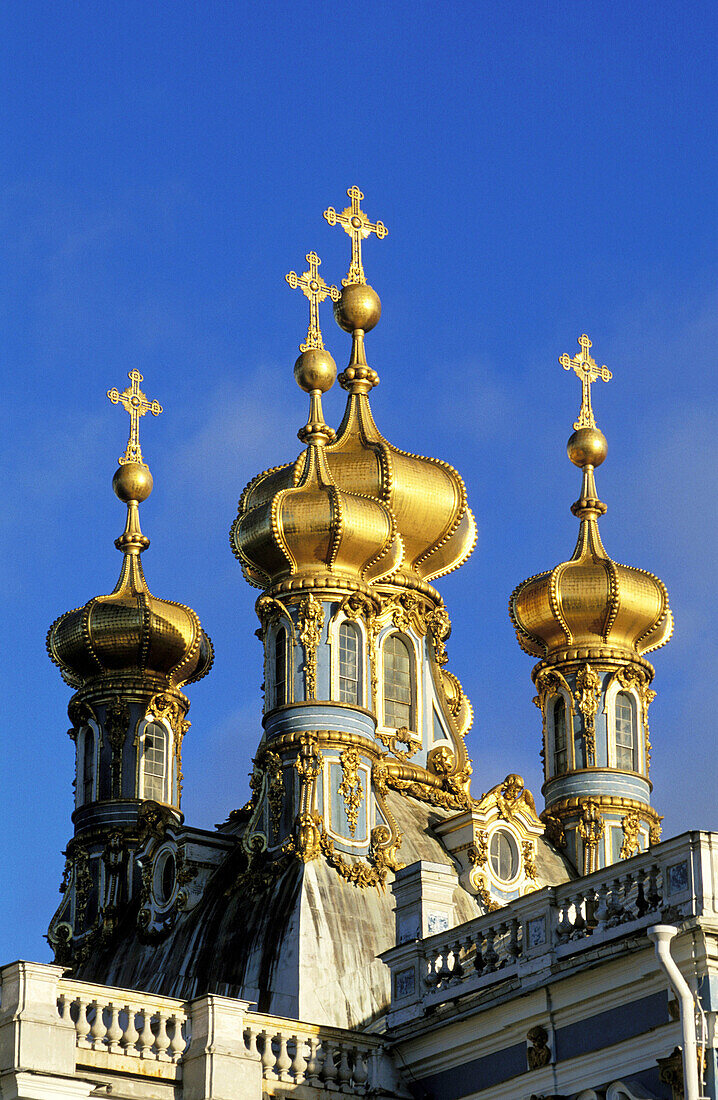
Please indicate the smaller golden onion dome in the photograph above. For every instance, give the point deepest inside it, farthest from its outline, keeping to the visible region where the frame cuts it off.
(299, 529)
(590, 605)
(130, 630)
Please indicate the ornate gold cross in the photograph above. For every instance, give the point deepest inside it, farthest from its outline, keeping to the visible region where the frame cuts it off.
(316, 290)
(136, 404)
(354, 221)
(588, 371)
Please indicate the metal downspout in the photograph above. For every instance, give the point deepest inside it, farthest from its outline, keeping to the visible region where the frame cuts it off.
(662, 934)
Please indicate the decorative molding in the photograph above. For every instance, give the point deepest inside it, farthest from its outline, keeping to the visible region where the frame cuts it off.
(590, 828)
(351, 788)
(630, 825)
(310, 619)
(588, 685)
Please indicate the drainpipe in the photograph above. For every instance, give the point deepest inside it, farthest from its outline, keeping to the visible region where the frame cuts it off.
(662, 934)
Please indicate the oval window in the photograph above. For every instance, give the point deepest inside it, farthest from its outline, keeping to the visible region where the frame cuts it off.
(165, 874)
(504, 855)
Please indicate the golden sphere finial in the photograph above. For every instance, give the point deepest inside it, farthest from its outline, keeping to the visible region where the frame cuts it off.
(587, 447)
(132, 481)
(315, 370)
(359, 307)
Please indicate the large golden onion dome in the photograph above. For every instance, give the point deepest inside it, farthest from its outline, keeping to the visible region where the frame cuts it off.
(303, 530)
(425, 497)
(590, 605)
(131, 631)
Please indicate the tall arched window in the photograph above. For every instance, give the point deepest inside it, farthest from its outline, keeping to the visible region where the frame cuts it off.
(154, 762)
(88, 764)
(560, 754)
(348, 663)
(398, 695)
(280, 667)
(625, 714)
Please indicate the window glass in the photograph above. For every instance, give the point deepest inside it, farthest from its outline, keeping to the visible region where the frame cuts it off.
(280, 667)
(88, 764)
(154, 762)
(348, 663)
(504, 855)
(398, 709)
(560, 755)
(625, 732)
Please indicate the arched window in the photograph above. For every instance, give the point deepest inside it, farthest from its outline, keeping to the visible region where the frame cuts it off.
(348, 663)
(280, 667)
(398, 695)
(560, 754)
(154, 762)
(625, 714)
(504, 855)
(88, 765)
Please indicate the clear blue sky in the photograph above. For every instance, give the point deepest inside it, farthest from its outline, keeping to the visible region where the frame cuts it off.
(544, 170)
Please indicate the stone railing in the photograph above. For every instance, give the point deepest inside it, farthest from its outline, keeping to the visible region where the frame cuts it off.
(670, 882)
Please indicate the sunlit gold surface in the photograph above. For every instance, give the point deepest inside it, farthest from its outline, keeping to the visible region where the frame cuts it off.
(588, 371)
(590, 602)
(316, 290)
(136, 404)
(354, 221)
(131, 631)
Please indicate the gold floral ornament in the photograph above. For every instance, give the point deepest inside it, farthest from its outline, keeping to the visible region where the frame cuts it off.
(316, 290)
(354, 221)
(351, 787)
(136, 404)
(588, 370)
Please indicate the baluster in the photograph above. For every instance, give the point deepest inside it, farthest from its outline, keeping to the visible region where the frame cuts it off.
(491, 957)
(600, 909)
(114, 1031)
(283, 1062)
(479, 961)
(457, 966)
(98, 1031)
(314, 1064)
(162, 1039)
(501, 944)
(654, 894)
(431, 970)
(513, 944)
(131, 1034)
(563, 924)
(642, 881)
(267, 1055)
(361, 1070)
(345, 1073)
(591, 902)
(146, 1038)
(329, 1069)
(615, 906)
(177, 1042)
(579, 923)
(64, 1004)
(250, 1041)
(299, 1065)
(82, 1026)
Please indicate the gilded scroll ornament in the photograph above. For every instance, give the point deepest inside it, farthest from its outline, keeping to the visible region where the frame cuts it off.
(275, 789)
(351, 788)
(483, 894)
(403, 736)
(588, 693)
(310, 619)
(654, 832)
(554, 830)
(117, 720)
(478, 853)
(538, 1053)
(590, 829)
(630, 825)
(528, 848)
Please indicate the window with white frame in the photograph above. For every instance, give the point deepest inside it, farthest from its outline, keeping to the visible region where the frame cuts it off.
(625, 732)
(154, 762)
(349, 673)
(504, 855)
(280, 667)
(398, 686)
(560, 739)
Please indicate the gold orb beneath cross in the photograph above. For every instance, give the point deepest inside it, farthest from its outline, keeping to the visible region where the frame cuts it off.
(315, 370)
(359, 307)
(587, 447)
(132, 481)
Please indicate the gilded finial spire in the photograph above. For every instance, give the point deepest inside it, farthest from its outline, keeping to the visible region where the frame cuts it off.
(136, 404)
(588, 371)
(354, 221)
(316, 290)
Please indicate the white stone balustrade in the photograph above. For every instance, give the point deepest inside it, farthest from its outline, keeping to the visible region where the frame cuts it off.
(670, 882)
(124, 1022)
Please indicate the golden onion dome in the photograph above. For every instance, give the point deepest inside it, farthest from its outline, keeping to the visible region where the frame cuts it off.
(590, 606)
(296, 528)
(130, 630)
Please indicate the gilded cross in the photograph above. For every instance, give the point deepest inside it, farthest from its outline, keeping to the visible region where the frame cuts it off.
(316, 290)
(354, 221)
(588, 371)
(136, 404)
